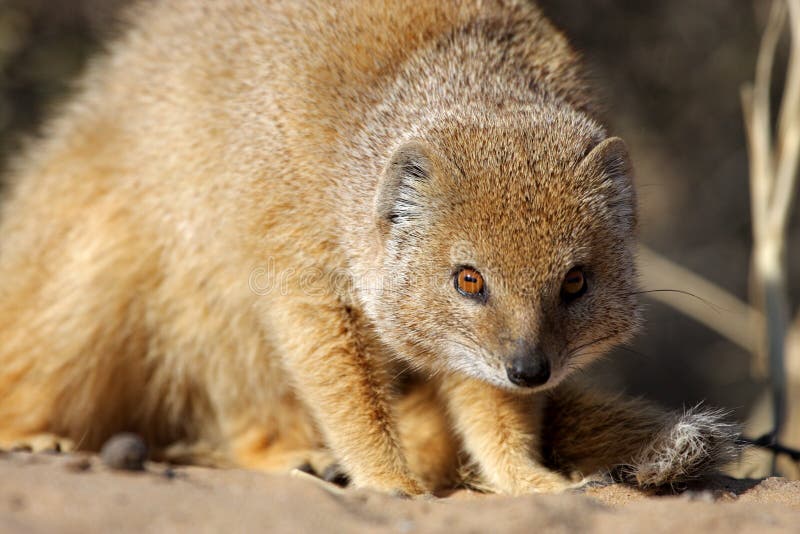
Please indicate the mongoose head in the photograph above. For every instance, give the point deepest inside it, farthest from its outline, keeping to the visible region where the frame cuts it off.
(508, 247)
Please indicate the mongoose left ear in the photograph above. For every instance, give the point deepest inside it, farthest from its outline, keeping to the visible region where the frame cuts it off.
(608, 165)
(399, 198)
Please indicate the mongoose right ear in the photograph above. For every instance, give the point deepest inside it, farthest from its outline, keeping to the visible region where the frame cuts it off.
(609, 166)
(609, 159)
(399, 198)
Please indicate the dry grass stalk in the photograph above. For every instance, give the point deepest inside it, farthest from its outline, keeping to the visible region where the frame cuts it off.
(773, 187)
(773, 183)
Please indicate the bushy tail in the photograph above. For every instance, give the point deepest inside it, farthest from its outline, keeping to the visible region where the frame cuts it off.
(589, 432)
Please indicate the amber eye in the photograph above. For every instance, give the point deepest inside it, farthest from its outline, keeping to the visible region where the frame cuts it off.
(469, 282)
(574, 284)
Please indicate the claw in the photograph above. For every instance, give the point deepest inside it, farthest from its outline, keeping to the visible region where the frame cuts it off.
(327, 486)
(335, 475)
(592, 483)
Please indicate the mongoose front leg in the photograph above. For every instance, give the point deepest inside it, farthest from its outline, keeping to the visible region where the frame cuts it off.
(434, 453)
(500, 431)
(345, 389)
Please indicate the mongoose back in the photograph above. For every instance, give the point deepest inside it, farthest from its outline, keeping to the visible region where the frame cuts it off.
(256, 215)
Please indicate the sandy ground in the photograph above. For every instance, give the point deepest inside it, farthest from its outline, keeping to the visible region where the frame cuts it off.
(69, 493)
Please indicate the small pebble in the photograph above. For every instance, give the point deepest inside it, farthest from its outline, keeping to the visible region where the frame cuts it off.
(699, 495)
(17, 502)
(78, 465)
(125, 451)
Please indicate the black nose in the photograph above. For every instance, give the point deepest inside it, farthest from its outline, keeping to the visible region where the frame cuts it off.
(528, 369)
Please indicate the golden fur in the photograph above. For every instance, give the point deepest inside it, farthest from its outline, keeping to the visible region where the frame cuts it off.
(244, 230)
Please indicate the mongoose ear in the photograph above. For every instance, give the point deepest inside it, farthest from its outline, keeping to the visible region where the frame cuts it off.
(399, 196)
(609, 159)
(608, 165)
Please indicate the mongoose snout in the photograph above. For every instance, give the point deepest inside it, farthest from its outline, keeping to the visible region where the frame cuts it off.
(528, 367)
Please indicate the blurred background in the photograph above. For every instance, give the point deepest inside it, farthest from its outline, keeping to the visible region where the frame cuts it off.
(669, 77)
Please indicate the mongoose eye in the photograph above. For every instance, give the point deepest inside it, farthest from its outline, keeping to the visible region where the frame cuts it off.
(574, 284)
(469, 282)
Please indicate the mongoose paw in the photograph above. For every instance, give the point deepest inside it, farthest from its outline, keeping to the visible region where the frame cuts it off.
(335, 475)
(696, 443)
(536, 481)
(321, 468)
(404, 487)
(332, 473)
(416, 496)
(302, 474)
(593, 482)
(48, 443)
(326, 469)
(321, 464)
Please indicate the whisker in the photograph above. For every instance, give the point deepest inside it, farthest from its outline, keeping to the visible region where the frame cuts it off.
(680, 292)
(590, 343)
(632, 351)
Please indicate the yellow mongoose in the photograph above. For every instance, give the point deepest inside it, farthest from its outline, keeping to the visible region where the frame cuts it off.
(260, 219)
